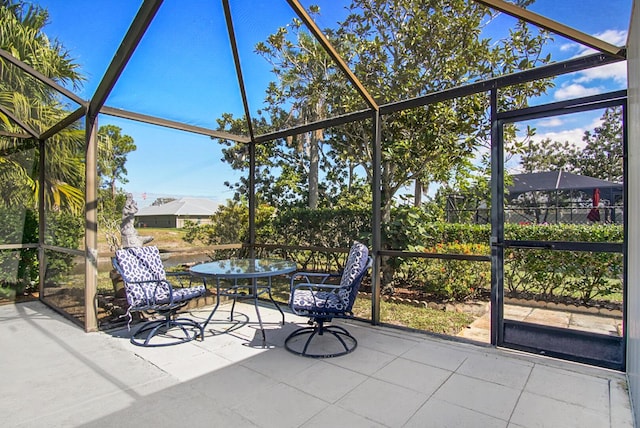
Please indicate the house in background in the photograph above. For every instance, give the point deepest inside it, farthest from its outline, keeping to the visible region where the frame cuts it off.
(177, 212)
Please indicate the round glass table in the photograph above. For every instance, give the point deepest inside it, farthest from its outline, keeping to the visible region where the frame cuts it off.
(241, 269)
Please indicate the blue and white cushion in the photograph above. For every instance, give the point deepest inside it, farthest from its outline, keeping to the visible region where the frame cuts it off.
(145, 280)
(341, 300)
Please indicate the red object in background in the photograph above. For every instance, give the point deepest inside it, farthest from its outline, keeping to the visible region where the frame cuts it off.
(594, 214)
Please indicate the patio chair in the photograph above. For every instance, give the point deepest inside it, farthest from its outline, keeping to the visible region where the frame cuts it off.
(315, 298)
(148, 290)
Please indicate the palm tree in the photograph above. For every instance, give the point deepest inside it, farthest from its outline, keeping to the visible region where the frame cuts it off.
(38, 107)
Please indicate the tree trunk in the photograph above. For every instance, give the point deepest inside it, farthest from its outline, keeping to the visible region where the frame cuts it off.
(417, 198)
(386, 286)
(314, 160)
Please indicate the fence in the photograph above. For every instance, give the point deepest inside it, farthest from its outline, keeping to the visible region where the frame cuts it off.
(539, 215)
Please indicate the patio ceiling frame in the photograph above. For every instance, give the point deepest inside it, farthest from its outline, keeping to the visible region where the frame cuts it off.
(41, 77)
(547, 71)
(153, 120)
(555, 27)
(32, 133)
(328, 47)
(131, 40)
(146, 13)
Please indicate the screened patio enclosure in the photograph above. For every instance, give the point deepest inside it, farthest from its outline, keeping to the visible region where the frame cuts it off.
(357, 105)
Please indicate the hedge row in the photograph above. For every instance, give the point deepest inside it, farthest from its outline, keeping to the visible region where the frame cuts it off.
(545, 273)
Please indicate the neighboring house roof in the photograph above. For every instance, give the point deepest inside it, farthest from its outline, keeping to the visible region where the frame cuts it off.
(558, 180)
(182, 207)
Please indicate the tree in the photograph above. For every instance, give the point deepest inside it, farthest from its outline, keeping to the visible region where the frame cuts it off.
(113, 156)
(548, 155)
(300, 93)
(113, 148)
(403, 49)
(602, 156)
(39, 107)
(275, 191)
(399, 49)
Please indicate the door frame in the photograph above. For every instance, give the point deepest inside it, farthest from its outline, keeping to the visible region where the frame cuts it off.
(586, 347)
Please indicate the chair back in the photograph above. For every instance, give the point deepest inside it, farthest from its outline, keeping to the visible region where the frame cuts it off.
(143, 275)
(358, 262)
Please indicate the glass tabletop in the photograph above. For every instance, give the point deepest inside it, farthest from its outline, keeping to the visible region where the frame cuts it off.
(244, 268)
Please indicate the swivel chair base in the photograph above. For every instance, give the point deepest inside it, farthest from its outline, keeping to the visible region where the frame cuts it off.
(343, 344)
(167, 332)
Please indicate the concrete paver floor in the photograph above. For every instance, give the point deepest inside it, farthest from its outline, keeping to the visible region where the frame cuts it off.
(480, 329)
(55, 375)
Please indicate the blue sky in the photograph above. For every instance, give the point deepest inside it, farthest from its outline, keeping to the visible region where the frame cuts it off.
(182, 71)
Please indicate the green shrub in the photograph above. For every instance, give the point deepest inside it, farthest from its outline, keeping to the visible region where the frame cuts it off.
(19, 268)
(449, 279)
(542, 272)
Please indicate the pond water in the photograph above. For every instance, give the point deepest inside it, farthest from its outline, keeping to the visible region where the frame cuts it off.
(169, 260)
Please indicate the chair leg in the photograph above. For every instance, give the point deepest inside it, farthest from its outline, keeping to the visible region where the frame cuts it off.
(274, 302)
(347, 343)
(233, 306)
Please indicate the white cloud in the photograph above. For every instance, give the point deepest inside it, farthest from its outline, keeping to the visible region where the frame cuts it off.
(609, 77)
(617, 72)
(571, 135)
(615, 37)
(575, 90)
(552, 122)
(569, 47)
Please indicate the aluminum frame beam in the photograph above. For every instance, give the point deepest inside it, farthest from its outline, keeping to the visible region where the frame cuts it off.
(153, 120)
(41, 77)
(321, 124)
(74, 116)
(138, 27)
(328, 47)
(575, 105)
(555, 27)
(18, 122)
(236, 61)
(546, 71)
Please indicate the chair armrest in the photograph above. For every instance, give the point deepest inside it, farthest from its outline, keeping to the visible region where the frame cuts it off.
(316, 287)
(181, 277)
(307, 277)
(180, 273)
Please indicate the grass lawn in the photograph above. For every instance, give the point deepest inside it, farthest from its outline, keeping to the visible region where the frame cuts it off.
(168, 239)
(419, 318)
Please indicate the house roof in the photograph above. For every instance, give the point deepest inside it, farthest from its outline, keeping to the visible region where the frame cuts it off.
(557, 180)
(180, 207)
